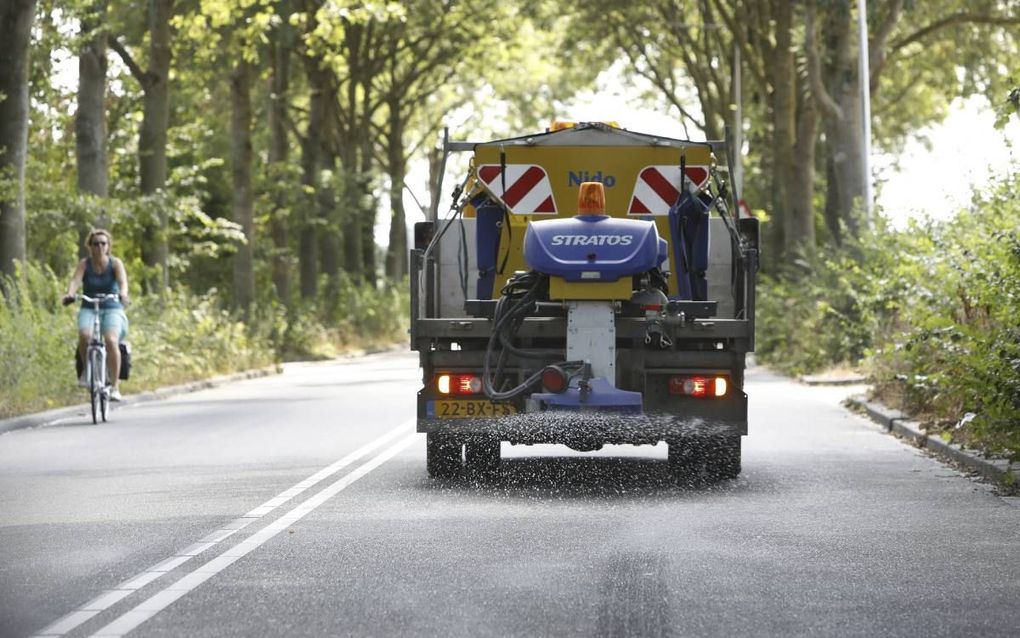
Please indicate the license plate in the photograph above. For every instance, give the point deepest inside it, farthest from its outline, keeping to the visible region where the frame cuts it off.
(468, 409)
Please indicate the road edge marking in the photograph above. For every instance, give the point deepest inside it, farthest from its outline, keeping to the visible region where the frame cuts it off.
(107, 598)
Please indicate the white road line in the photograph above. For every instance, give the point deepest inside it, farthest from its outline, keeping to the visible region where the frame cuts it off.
(164, 598)
(111, 596)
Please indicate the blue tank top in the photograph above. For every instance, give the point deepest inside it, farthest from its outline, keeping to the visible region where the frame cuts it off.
(100, 283)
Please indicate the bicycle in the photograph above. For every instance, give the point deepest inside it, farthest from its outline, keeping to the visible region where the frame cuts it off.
(95, 360)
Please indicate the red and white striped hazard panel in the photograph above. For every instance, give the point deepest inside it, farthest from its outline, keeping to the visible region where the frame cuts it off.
(658, 187)
(528, 189)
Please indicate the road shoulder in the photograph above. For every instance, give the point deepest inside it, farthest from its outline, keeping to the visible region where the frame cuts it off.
(39, 419)
(999, 471)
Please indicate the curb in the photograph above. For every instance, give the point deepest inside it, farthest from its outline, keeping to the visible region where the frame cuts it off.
(997, 470)
(835, 381)
(43, 418)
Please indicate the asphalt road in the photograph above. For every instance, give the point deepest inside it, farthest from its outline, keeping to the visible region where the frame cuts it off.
(299, 505)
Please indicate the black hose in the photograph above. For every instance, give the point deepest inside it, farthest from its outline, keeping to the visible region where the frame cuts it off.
(517, 301)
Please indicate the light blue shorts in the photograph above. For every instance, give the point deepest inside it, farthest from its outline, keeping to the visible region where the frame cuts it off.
(113, 320)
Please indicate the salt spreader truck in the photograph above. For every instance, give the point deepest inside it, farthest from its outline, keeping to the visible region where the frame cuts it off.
(590, 286)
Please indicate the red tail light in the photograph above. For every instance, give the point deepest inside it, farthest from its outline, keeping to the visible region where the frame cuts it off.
(554, 379)
(447, 383)
(699, 386)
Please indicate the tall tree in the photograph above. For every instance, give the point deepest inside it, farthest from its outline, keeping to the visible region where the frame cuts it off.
(90, 119)
(361, 59)
(311, 163)
(896, 29)
(241, 163)
(836, 91)
(16, 18)
(684, 49)
(281, 47)
(419, 59)
(426, 74)
(152, 141)
(766, 33)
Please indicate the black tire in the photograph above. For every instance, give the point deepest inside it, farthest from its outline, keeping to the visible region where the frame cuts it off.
(698, 461)
(442, 455)
(481, 456)
(725, 456)
(688, 461)
(96, 385)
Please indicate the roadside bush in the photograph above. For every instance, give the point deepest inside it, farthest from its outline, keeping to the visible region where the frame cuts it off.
(182, 336)
(350, 316)
(825, 309)
(956, 357)
(931, 312)
(37, 341)
(176, 338)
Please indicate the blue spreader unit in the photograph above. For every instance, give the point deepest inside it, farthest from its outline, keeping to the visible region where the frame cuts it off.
(593, 247)
(600, 394)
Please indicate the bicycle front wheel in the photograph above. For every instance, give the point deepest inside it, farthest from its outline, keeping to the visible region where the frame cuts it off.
(97, 379)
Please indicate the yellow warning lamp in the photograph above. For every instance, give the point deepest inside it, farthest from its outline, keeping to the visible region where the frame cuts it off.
(591, 199)
(559, 125)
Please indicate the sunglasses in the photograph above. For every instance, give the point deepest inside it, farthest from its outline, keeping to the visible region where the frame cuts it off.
(98, 243)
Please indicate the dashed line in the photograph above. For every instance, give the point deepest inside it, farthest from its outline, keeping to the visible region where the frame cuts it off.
(108, 598)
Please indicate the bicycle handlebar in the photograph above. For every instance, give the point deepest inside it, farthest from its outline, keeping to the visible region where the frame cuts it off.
(69, 299)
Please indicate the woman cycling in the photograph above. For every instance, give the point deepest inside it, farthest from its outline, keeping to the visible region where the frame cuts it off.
(101, 273)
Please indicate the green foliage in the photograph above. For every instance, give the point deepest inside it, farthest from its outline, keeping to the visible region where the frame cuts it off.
(959, 349)
(823, 309)
(37, 339)
(933, 312)
(178, 337)
(1009, 106)
(181, 336)
(927, 69)
(355, 315)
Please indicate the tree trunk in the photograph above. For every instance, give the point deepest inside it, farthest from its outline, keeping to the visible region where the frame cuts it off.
(350, 207)
(279, 86)
(782, 73)
(153, 137)
(367, 213)
(367, 224)
(802, 187)
(329, 238)
(794, 128)
(90, 119)
(16, 18)
(845, 159)
(435, 179)
(396, 252)
(241, 163)
(843, 144)
(351, 216)
(311, 151)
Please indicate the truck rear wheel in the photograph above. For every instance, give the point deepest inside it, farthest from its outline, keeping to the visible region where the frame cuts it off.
(442, 455)
(726, 456)
(687, 461)
(481, 456)
(696, 461)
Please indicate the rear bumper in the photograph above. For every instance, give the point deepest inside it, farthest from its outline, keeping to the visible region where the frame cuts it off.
(690, 418)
